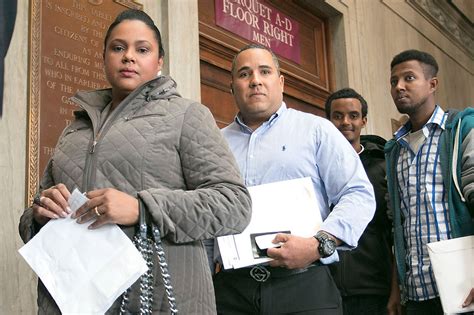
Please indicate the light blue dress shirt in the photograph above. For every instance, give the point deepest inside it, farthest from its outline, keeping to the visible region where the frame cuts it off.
(293, 144)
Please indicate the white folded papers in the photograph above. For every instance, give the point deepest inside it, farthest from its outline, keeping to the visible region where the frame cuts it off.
(453, 266)
(287, 206)
(84, 270)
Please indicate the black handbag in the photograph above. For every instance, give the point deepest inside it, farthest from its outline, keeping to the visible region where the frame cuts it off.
(147, 242)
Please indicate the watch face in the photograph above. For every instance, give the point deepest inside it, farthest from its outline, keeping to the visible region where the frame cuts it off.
(329, 247)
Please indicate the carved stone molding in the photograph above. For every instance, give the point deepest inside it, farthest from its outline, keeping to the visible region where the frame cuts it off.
(130, 4)
(34, 92)
(446, 17)
(465, 7)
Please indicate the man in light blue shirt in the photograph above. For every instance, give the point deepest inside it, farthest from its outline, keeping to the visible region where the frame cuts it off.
(273, 143)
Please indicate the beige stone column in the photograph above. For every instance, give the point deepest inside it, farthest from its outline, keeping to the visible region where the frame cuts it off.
(179, 26)
(17, 281)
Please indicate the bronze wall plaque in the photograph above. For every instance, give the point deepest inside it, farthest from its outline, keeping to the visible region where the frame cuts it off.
(65, 55)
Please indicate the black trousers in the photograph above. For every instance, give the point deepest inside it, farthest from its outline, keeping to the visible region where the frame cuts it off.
(428, 307)
(306, 293)
(365, 305)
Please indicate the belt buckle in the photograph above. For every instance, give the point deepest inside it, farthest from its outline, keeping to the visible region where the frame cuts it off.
(259, 273)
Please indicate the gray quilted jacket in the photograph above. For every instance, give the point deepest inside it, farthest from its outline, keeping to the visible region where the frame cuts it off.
(168, 152)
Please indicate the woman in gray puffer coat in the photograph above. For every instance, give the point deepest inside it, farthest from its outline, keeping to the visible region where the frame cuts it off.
(138, 143)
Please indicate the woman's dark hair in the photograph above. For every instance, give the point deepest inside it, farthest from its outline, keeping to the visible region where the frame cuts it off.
(132, 14)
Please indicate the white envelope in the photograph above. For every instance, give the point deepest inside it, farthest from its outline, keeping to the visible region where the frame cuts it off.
(453, 266)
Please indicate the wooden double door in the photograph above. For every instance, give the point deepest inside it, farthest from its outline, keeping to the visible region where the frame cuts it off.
(307, 83)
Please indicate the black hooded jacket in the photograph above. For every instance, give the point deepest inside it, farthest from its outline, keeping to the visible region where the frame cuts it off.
(366, 270)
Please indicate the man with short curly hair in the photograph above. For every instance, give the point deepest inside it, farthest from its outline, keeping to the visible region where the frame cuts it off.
(431, 191)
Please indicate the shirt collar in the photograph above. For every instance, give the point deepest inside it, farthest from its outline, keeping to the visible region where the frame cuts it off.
(238, 118)
(438, 118)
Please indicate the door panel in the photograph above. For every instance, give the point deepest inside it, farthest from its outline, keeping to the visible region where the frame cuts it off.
(307, 85)
(215, 93)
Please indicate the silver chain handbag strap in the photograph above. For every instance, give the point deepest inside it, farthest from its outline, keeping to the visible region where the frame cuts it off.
(164, 270)
(146, 244)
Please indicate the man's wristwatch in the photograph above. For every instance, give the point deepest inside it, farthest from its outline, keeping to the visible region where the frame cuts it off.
(327, 245)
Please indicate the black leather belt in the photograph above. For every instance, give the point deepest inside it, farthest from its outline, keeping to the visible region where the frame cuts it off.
(262, 273)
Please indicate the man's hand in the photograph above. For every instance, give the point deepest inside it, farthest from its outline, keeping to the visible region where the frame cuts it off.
(469, 299)
(394, 306)
(295, 252)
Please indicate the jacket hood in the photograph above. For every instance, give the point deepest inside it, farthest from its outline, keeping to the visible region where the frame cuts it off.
(454, 115)
(372, 142)
(162, 87)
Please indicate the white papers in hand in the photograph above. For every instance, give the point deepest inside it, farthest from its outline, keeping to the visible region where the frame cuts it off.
(76, 200)
(281, 206)
(452, 263)
(84, 270)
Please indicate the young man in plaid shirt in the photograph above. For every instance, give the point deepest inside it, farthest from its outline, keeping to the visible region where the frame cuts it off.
(432, 193)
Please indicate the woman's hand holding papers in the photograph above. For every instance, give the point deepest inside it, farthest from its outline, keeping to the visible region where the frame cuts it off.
(51, 203)
(295, 252)
(108, 205)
